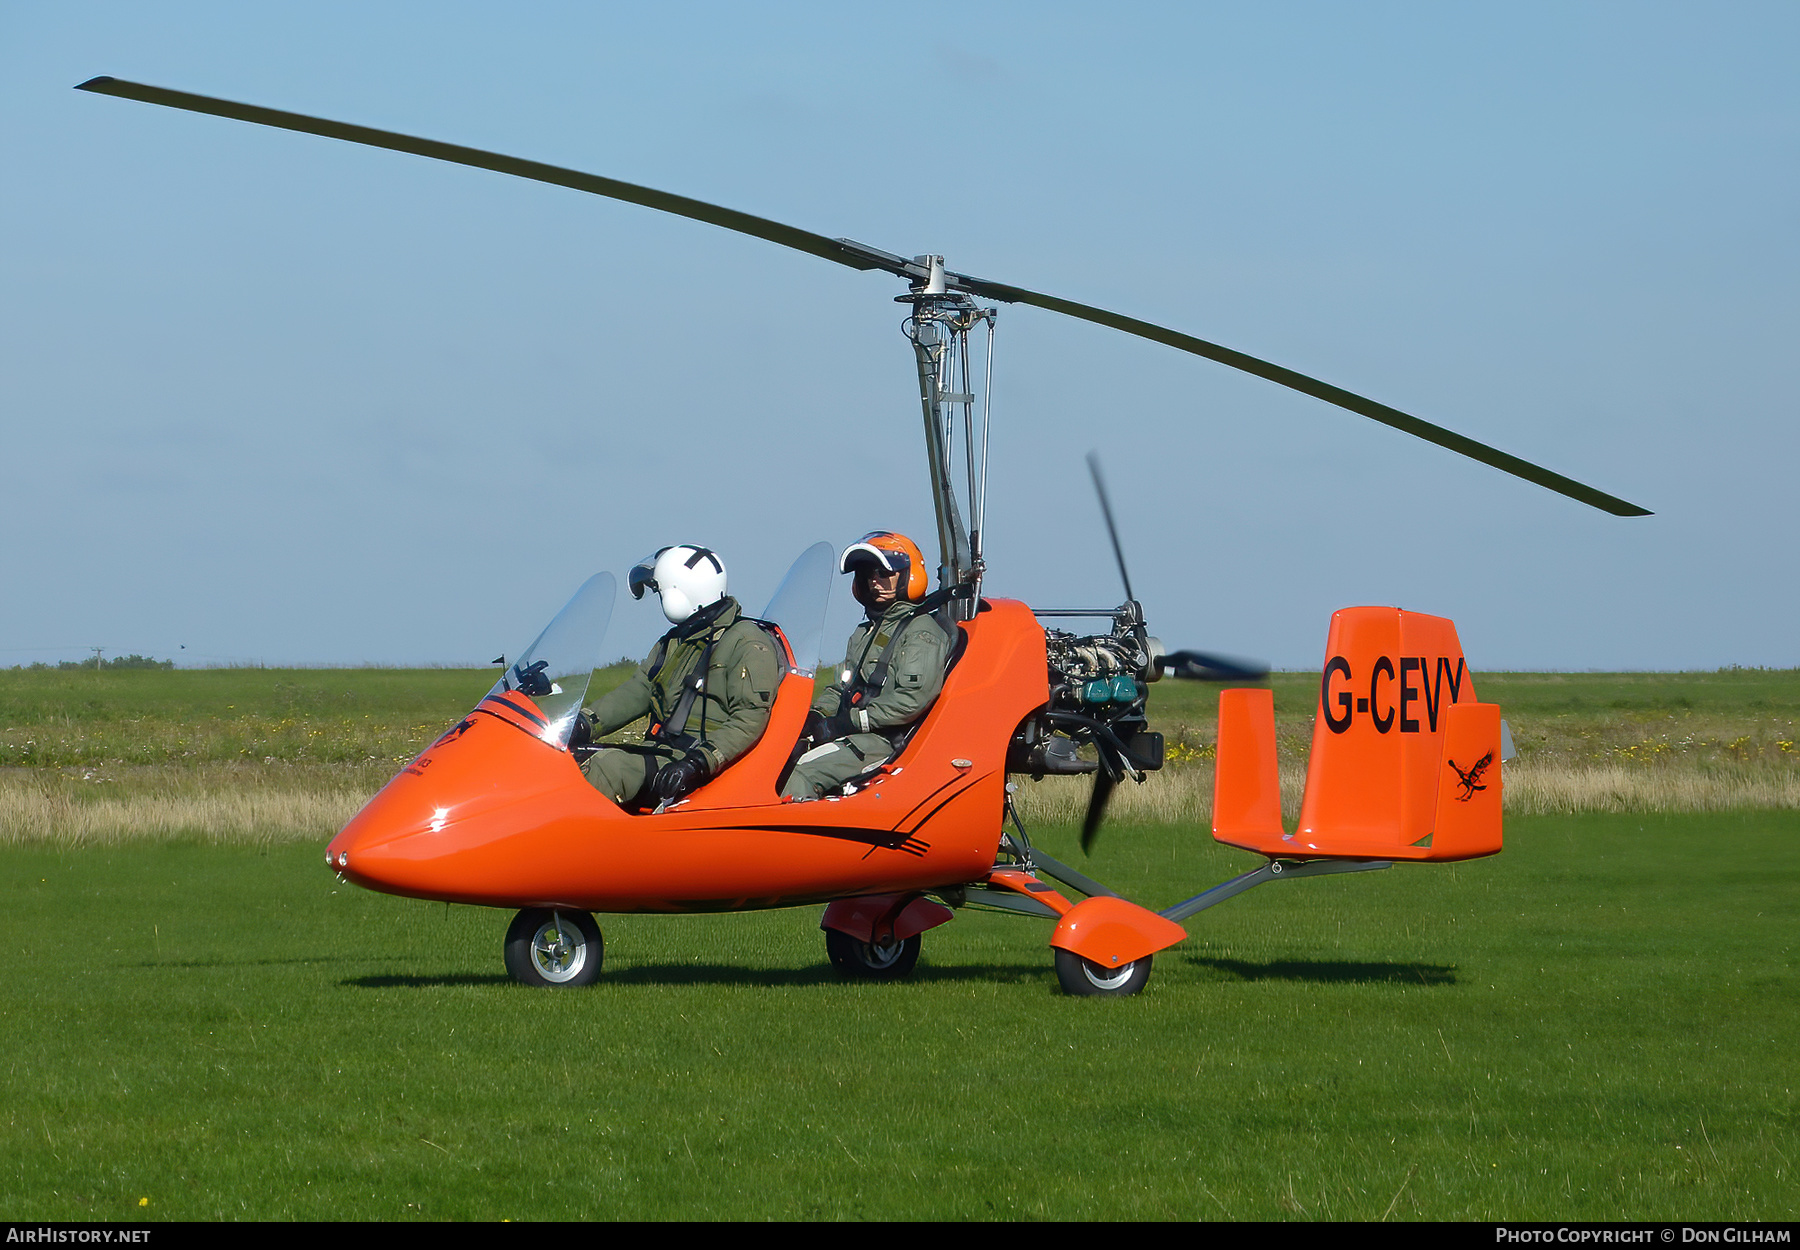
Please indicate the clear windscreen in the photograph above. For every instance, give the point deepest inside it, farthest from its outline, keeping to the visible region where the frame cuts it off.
(555, 669)
(799, 603)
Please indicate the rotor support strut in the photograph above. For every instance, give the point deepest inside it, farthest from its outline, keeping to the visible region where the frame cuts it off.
(939, 331)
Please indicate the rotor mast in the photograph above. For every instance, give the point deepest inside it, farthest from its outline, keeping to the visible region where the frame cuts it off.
(939, 332)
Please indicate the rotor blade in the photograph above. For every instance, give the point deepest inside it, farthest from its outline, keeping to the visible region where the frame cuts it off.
(1106, 511)
(1207, 666)
(1096, 809)
(861, 256)
(1306, 386)
(844, 252)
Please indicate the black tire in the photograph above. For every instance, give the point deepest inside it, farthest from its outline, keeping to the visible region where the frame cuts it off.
(868, 961)
(555, 949)
(1085, 978)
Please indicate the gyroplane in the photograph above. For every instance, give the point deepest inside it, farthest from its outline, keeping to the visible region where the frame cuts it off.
(1405, 766)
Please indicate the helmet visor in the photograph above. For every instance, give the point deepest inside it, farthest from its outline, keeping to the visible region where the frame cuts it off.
(643, 575)
(860, 554)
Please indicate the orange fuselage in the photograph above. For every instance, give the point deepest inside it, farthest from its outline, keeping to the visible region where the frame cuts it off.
(492, 814)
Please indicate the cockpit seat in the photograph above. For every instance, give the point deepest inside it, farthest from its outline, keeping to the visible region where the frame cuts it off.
(959, 643)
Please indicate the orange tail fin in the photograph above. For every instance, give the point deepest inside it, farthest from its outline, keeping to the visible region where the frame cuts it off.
(1405, 763)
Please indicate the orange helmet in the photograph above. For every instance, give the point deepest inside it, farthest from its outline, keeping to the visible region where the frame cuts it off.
(892, 553)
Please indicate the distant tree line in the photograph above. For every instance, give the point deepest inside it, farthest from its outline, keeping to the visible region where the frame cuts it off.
(70, 666)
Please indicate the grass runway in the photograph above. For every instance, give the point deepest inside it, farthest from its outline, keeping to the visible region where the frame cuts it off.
(1598, 1024)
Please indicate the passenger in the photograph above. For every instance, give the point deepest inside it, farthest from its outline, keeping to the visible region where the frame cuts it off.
(891, 674)
(707, 686)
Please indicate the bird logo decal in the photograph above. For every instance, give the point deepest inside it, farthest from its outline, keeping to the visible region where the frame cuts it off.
(1471, 780)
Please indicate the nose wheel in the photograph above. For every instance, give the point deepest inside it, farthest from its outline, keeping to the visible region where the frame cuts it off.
(554, 948)
(1084, 977)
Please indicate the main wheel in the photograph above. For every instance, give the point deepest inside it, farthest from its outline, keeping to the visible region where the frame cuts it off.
(1082, 976)
(872, 961)
(555, 948)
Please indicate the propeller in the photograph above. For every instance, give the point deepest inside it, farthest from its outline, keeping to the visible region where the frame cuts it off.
(1194, 665)
(1209, 666)
(1112, 529)
(1096, 808)
(1106, 777)
(922, 273)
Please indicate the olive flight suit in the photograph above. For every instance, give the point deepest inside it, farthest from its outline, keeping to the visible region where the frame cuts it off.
(726, 716)
(915, 650)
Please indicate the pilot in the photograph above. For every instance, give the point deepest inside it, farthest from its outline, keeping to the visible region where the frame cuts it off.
(707, 686)
(891, 674)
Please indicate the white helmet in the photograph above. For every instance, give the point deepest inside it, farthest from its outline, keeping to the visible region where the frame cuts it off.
(687, 577)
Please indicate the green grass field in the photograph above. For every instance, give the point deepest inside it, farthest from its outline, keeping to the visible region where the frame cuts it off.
(1599, 1023)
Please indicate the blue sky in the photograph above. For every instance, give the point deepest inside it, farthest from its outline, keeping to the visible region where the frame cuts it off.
(275, 398)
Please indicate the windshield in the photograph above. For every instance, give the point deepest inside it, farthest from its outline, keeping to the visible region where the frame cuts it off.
(799, 604)
(555, 669)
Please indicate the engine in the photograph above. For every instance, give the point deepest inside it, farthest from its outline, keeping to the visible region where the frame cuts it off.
(1099, 684)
